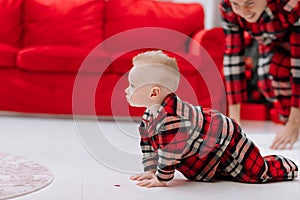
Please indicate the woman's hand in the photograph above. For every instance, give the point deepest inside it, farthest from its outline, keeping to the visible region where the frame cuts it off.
(286, 137)
(148, 179)
(290, 132)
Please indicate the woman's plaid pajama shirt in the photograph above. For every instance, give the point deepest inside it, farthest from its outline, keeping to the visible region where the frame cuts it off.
(278, 34)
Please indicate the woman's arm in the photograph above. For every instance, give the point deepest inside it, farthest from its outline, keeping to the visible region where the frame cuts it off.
(234, 65)
(290, 5)
(286, 137)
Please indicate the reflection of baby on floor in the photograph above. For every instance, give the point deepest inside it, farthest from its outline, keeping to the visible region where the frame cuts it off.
(201, 143)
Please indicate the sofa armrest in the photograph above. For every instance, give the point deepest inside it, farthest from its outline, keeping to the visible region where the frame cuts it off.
(212, 41)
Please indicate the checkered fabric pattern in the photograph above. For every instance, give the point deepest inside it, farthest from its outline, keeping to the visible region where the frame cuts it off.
(202, 144)
(278, 34)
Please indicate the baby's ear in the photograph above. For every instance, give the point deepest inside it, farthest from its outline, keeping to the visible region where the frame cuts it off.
(155, 91)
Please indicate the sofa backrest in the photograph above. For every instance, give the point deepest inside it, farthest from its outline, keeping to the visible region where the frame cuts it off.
(122, 15)
(68, 22)
(44, 28)
(11, 22)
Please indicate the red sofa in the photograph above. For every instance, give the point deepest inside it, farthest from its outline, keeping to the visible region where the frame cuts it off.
(71, 57)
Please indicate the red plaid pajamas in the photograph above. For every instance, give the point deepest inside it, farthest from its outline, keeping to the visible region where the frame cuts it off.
(278, 35)
(204, 144)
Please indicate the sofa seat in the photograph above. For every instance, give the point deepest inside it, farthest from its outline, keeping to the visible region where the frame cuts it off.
(60, 59)
(8, 56)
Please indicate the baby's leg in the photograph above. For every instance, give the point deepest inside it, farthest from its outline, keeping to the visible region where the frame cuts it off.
(243, 162)
(280, 168)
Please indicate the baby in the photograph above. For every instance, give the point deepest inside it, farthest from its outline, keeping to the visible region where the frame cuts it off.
(201, 143)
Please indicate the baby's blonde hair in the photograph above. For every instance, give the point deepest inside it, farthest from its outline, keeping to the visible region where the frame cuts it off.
(155, 57)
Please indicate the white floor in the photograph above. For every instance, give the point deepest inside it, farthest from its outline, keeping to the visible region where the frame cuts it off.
(104, 172)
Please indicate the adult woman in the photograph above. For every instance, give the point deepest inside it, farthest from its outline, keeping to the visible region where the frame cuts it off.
(275, 25)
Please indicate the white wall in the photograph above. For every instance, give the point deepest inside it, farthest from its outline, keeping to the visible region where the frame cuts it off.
(211, 9)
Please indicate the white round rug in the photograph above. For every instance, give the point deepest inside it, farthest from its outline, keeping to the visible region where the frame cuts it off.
(20, 176)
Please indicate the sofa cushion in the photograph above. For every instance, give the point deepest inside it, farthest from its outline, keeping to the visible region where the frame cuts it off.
(72, 22)
(10, 22)
(213, 42)
(7, 56)
(123, 64)
(122, 15)
(61, 59)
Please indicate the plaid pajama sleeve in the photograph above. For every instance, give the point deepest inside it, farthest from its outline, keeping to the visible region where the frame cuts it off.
(234, 65)
(172, 136)
(150, 156)
(163, 150)
(295, 64)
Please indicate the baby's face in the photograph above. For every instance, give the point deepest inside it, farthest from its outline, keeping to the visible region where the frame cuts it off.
(145, 83)
(137, 93)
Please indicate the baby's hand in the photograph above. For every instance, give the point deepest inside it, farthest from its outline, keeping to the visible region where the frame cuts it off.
(147, 179)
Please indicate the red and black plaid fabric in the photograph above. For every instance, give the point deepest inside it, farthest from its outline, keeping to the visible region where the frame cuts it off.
(278, 34)
(243, 162)
(202, 144)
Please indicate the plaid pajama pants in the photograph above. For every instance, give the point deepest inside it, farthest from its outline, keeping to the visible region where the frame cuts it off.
(243, 162)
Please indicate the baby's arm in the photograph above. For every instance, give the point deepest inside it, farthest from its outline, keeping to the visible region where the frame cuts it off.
(148, 179)
(171, 141)
(150, 162)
